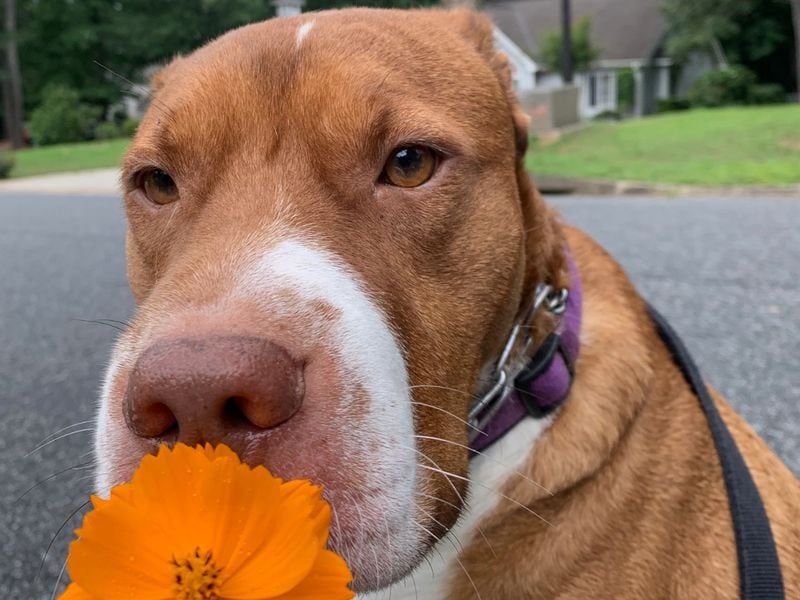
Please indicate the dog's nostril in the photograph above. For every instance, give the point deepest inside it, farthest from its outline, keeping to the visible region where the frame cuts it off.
(155, 421)
(233, 412)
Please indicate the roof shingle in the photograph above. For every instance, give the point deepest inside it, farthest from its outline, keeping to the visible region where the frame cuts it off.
(621, 29)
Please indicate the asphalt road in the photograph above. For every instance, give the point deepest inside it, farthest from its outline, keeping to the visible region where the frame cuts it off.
(724, 271)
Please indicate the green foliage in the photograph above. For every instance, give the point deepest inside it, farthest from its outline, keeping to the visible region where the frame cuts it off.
(6, 164)
(755, 33)
(325, 4)
(62, 40)
(734, 85)
(584, 53)
(62, 117)
(767, 93)
(129, 127)
(666, 105)
(626, 90)
(107, 130)
(608, 115)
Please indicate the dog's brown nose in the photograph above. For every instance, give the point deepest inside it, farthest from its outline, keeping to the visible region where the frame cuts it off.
(212, 389)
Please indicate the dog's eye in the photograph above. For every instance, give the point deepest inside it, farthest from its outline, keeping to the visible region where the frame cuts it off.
(410, 166)
(159, 187)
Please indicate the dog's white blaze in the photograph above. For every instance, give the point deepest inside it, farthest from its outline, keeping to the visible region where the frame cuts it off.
(302, 32)
(487, 473)
(370, 356)
(106, 432)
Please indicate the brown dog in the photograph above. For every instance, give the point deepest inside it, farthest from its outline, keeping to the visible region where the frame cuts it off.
(331, 235)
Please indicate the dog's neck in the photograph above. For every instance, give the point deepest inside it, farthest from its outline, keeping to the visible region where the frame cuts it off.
(540, 460)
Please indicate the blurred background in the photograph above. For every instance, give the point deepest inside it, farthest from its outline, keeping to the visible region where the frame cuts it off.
(668, 129)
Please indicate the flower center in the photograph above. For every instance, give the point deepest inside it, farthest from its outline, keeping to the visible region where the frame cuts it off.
(196, 577)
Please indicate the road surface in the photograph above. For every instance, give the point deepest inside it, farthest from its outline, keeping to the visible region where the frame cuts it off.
(726, 272)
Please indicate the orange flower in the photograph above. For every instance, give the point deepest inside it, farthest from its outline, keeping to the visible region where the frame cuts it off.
(197, 524)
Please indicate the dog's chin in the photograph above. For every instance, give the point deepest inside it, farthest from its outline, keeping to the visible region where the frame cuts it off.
(376, 565)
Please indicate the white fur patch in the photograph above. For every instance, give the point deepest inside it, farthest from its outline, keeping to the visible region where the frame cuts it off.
(487, 474)
(369, 356)
(302, 32)
(107, 432)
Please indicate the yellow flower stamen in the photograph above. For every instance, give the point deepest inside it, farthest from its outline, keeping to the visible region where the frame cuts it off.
(196, 577)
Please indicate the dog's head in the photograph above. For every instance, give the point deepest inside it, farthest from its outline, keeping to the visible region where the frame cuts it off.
(330, 236)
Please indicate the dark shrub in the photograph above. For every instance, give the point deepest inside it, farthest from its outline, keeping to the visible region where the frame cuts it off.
(672, 105)
(723, 87)
(108, 130)
(129, 127)
(626, 90)
(608, 115)
(62, 118)
(6, 164)
(767, 93)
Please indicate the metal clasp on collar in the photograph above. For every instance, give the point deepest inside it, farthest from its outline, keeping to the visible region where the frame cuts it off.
(505, 371)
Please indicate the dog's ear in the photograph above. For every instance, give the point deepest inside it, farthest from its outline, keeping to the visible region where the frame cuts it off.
(544, 241)
(478, 29)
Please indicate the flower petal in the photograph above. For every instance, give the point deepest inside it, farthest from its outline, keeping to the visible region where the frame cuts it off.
(73, 592)
(328, 579)
(265, 538)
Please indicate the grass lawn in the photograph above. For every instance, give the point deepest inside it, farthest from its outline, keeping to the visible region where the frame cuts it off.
(728, 146)
(68, 157)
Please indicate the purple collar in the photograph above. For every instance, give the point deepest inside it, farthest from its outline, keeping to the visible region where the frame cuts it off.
(544, 382)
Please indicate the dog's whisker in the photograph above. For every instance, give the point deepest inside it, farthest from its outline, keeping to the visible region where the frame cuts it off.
(447, 412)
(436, 498)
(58, 581)
(55, 433)
(443, 387)
(477, 527)
(337, 527)
(494, 491)
(105, 322)
(452, 485)
(144, 90)
(61, 437)
(458, 494)
(494, 460)
(455, 557)
(55, 536)
(77, 467)
(443, 526)
(389, 544)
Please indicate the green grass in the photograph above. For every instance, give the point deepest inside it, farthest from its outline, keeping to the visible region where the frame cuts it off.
(68, 157)
(729, 146)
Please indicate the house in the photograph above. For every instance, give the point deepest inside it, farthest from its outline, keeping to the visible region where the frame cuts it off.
(629, 34)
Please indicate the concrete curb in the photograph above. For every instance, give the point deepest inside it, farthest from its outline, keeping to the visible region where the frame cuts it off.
(99, 182)
(105, 182)
(549, 184)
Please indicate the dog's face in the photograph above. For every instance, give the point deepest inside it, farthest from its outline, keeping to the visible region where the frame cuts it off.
(327, 245)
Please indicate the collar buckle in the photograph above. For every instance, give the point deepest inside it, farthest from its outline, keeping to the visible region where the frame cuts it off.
(506, 371)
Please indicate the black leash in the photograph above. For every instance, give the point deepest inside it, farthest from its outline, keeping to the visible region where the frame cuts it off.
(759, 568)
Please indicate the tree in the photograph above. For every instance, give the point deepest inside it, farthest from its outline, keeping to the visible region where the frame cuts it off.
(12, 83)
(796, 21)
(62, 40)
(752, 33)
(584, 53)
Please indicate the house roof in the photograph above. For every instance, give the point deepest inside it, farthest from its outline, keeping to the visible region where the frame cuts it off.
(621, 29)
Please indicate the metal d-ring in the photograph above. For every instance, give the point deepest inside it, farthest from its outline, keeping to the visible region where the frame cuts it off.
(555, 301)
